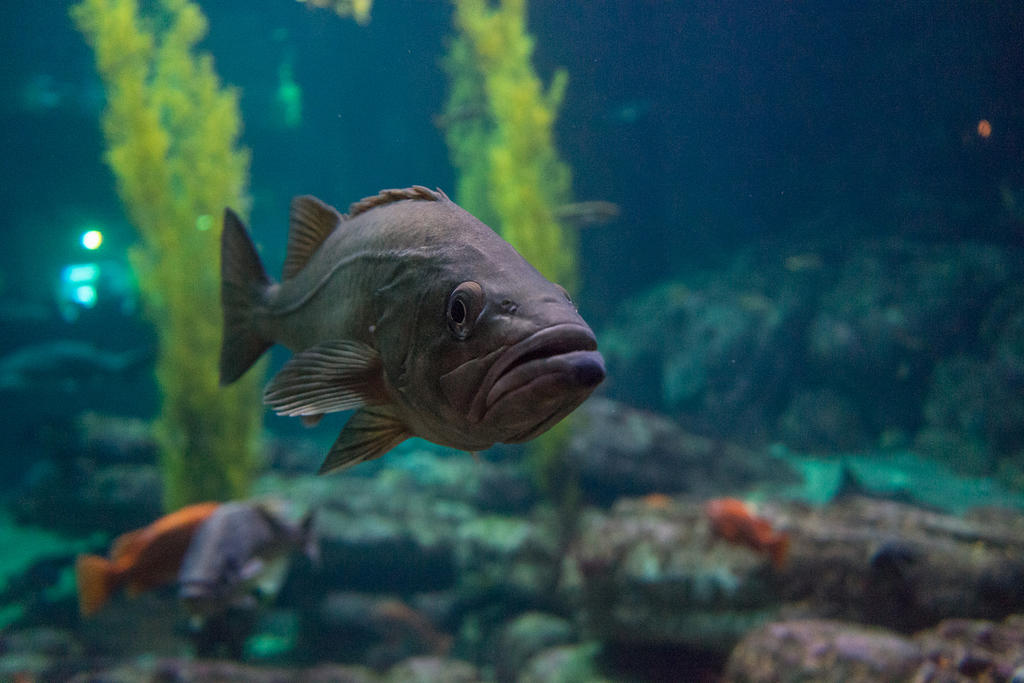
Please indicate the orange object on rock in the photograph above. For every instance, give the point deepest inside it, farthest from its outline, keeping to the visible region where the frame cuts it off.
(733, 520)
(139, 560)
(657, 501)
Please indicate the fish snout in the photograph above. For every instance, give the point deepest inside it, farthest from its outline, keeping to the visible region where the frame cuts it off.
(539, 380)
(589, 368)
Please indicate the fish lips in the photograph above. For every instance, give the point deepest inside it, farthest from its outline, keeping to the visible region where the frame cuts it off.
(539, 380)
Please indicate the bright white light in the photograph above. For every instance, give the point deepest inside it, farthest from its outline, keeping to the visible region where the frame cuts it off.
(92, 239)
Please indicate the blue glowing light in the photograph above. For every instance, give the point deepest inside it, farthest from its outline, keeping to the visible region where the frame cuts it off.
(85, 295)
(81, 272)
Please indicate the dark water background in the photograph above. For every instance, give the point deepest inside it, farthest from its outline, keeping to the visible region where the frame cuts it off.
(712, 124)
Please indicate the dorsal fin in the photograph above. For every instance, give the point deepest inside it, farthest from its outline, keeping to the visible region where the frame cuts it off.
(310, 223)
(388, 196)
(126, 547)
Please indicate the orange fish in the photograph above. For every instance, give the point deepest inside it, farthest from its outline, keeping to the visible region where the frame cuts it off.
(140, 559)
(732, 520)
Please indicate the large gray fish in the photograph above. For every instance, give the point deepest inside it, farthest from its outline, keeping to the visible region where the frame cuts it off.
(415, 313)
(240, 547)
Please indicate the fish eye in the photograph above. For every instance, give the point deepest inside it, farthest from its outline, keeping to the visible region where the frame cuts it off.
(464, 306)
(458, 312)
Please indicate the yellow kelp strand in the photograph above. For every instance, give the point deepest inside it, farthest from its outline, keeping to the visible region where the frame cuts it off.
(357, 9)
(525, 180)
(172, 142)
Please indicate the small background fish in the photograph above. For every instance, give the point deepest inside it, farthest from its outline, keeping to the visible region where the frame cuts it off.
(139, 560)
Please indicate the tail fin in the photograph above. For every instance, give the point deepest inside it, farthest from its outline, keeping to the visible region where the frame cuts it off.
(95, 578)
(243, 287)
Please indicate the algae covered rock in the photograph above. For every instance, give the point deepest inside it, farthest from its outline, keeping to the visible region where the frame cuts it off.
(708, 356)
(519, 555)
(835, 348)
(820, 650)
(620, 450)
(650, 570)
(525, 636)
(565, 664)
(822, 420)
(900, 566)
(817, 649)
(974, 649)
(433, 670)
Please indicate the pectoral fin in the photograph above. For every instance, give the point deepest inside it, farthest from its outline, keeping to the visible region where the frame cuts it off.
(330, 377)
(369, 434)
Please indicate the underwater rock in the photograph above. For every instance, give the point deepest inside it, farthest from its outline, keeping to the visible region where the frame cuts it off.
(619, 450)
(100, 466)
(517, 557)
(374, 629)
(415, 530)
(432, 670)
(112, 498)
(1006, 324)
(955, 650)
(210, 671)
(187, 670)
(149, 624)
(894, 301)
(409, 528)
(564, 664)
(490, 485)
(974, 412)
(893, 308)
(343, 625)
(525, 636)
(903, 567)
(710, 356)
(650, 571)
(820, 650)
(959, 649)
(292, 455)
(955, 410)
(819, 420)
(37, 654)
(729, 351)
(401, 542)
(110, 439)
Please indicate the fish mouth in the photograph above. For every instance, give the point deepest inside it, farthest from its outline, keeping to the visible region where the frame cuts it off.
(552, 365)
